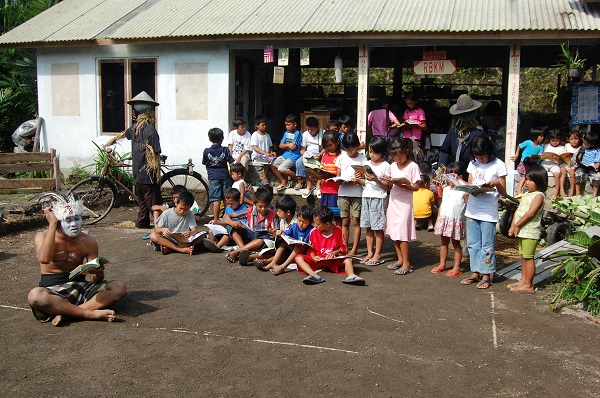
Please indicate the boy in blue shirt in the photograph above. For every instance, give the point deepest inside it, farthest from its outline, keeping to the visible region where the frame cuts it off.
(291, 142)
(588, 162)
(235, 207)
(215, 158)
(300, 230)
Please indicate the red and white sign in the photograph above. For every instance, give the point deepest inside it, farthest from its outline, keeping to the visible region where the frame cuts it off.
(433, 55)
(437, 67)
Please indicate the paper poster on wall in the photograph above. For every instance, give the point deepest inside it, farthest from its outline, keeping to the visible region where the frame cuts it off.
(278, 75)
(284, 56)
(304, 56)
(268, 54)
(586, 103)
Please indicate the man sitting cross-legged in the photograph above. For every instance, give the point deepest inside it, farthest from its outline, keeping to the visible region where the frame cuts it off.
(60, 250)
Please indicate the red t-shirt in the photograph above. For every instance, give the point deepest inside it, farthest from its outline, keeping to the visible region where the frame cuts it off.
(328, 163)
(323, 245)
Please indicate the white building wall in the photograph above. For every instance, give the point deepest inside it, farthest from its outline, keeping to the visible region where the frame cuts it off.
(72, 136)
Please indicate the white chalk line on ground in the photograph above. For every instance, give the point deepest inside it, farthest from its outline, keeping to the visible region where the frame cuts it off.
(384, 316)
(209, 334)
(494, 330)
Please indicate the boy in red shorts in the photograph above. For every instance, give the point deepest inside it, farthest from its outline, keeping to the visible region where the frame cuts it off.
(327, 244)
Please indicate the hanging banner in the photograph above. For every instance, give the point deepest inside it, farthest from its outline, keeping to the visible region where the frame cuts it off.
(278, 75)
(284, 56)
(268, 54)
(304, 56)
(512, 106)
(585, 104)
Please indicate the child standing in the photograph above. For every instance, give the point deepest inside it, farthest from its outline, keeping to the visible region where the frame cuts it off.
(291, 142)
(216, 158)
(527, 225)
(238, 142)
(350, 191)
(374, 197)
(450, 224)
(423, 201)
(177, 219)
(482, 211)
(329, 189)
(327, 243)
(405, 177)
(588, 162)
(571, 147)
(531, 147)
(262, 146)
(551, 160)
(311, 148)
(236, 171)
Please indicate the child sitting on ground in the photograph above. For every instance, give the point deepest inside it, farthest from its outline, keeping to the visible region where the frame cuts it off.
(157, 210)
(177, 219)
(423, 202)
(216, 158)
(327, 243)
(235, 208)
(236, 171)
(262, 224)
(262, 146)
(238, 142)
(527, 225)
(283, 166)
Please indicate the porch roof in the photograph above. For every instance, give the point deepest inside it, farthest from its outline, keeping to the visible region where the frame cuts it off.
(102, 22)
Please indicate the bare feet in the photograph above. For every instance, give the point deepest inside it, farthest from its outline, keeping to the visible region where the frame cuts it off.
(95, 315)
(57, 320)
(278, 270)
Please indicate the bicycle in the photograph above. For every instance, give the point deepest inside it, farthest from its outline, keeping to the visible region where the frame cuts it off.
(99, 193)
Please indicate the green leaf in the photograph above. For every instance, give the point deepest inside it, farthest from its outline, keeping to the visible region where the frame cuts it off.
(561, 253)
(580, 238)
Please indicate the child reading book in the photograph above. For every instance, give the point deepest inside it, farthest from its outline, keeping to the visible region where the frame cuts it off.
(262, 147)
(177, 219)
(327, 244)
(235, 208)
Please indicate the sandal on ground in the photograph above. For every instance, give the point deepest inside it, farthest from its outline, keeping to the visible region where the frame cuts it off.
(313, 280)
(354, 280)
(299, 185)
(212, 246)
(259, 264)
(403, 271)
(394, 266)
(230, 258)
(470, 280)
(281, 187)
(484, 284)
(452, 273)
(308, 192)
(373, 262)
(437, 270)
(244, 256)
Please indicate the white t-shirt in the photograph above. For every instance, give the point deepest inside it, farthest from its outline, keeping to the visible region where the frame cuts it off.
(262, 141)
(484, 206)
(372, 189)
(453, 203)
(344, 163)
(239, 143)
(312, 143)
(559, 150)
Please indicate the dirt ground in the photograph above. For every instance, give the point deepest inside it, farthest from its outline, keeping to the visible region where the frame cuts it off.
(199, 326)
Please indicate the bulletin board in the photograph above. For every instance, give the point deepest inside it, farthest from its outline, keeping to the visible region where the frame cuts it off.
(585, 105)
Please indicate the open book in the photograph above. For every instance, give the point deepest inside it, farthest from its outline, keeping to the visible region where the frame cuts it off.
(462, 186)
(340, 178)
(84, 269)
(216, 229)
(291, 241)
(311, 162)
(261, 159)
(319, 174)
(562, 158)
(178, 237)
(342, 256)
(269, 247)
(363, 170)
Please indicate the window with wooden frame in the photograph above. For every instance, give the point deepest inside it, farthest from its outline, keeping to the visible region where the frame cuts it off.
(121, 80)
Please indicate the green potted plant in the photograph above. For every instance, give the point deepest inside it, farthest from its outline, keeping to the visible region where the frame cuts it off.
(570, 61)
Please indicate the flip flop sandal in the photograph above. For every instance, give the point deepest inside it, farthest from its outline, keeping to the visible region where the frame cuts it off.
(394, 266)
(373, 262)
(306, 194)
(484, 284)
(313, 280)
(299, 185)
(282, 187)
(470, 280)
(244, 256)
(146, 237)
(403, 271)
(230, 258)
(436, 270)
(453, 273)
(259, 264)
(210, 245)
(354, 280)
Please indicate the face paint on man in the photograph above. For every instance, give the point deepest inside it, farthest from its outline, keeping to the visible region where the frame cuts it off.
(71, 226)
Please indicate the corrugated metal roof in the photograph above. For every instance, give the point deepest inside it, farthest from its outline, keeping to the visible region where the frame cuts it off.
(123, 20)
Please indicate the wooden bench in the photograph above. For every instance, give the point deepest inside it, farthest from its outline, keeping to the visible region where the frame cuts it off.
(30, 162)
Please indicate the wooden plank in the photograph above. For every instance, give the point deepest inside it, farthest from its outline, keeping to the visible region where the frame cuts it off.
(36, 138)
(24, 157)
(56, 170)
(23, 183)
(25, 167)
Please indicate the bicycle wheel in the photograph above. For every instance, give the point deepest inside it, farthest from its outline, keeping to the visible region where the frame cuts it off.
(98, 196)
(192, 182)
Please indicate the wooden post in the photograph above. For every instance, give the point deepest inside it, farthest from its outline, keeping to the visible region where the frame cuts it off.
(363, 88)
(36, 139)
(512, 112)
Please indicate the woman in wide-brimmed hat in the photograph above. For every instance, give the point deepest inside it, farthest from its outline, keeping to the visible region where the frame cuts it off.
(464, 129)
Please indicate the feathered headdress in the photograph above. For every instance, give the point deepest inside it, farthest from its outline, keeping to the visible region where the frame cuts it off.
(71, 207)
